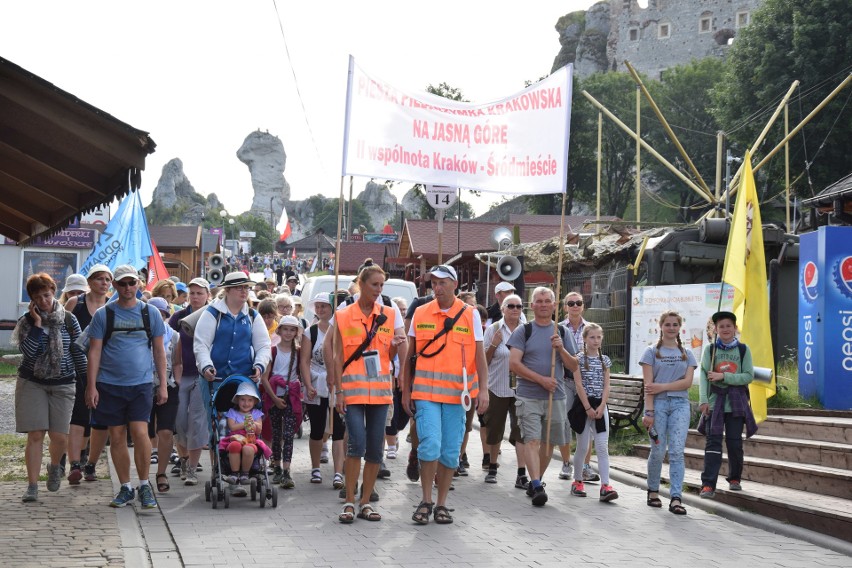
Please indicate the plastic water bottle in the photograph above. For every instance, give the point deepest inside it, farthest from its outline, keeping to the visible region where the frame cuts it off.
(652, 431)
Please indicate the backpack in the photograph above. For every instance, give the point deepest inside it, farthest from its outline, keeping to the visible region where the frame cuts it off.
(82, 342)
(218, 315)
(314, 333)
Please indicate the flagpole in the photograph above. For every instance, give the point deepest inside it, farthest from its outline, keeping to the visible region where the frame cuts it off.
(329, 425)
(556, 315)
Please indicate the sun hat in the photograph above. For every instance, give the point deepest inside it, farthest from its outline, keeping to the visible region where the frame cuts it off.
(75, 282)
(125, 271)
(236, 279)
(321, 299)
(200, 282)
(98, 268)
(161, 304)
(293, 278)
(289, 320)
(443, 271)
(504, 287)
(245, 389)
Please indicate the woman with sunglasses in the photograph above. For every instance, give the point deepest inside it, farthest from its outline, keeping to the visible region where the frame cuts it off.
(501, 394)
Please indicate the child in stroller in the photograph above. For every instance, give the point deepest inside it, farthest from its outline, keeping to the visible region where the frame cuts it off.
(242, 454)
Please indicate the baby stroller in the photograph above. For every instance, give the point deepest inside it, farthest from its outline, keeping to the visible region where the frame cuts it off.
(216, 489)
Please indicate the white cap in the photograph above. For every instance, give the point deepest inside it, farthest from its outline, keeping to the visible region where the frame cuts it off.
(76, 282)
(199, 282)
(504, 287)
(246, 389)
(443, 271)
(126, 271)
(292, 321)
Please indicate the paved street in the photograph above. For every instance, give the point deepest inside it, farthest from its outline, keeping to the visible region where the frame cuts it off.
(495, 525)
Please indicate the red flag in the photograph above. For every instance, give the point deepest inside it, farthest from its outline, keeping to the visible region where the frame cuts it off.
(283, 226)
(156, 269)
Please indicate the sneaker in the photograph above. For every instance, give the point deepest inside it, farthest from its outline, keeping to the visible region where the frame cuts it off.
(76, 474)
(589, 474)
(522, 482)
(391, 452)
(231, 479)
(277, 475)
(174, 457)
(413, 469)
(183, 467)
(125, 496)
(31, 494)
(464, 461)
(238, 490)
(191, 477)
(176, 469)
(491, 477)
(539, 497)
(146, 497)
(486, 461)
(324, 454)
(530, 490)
(384, 472)
(155, 456)
(578, 489)
(244, 479)
(461, 471)
(608, 493)
(707, 492)
(89, 472)
(287, 481)
(374, 496)
(567, 471)
(337, 483)
(735, 485)
(55, 473)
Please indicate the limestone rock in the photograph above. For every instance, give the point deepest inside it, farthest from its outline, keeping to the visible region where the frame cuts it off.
(592, 46)
(264, 155)
(379, 203)
(173, 184)
(570, 27)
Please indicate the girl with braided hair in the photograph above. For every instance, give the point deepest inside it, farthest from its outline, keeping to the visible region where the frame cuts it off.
(667, 370)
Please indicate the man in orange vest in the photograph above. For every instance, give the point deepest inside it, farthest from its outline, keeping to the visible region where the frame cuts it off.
(447, 359)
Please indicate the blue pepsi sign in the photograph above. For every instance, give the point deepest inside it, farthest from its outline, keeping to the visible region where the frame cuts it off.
(825, 316)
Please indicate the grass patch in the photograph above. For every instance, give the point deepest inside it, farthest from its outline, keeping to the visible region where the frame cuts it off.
(13, 467)
(621, 442)
(787, 388)
(7, 369)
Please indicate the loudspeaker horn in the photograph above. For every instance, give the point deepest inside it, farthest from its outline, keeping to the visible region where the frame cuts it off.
(215, 276)
(216, 261)
(509, 267)
(502, 238)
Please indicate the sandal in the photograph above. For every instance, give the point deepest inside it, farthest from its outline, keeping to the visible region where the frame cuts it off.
(162, 486)
(442, 515)
(316, 476)
(654, 501)
(347, 515)
(422, 513)
(676, 509)
(155, 458)
(367, 513)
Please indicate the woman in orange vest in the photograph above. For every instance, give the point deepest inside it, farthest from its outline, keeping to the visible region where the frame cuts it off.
(366, 336)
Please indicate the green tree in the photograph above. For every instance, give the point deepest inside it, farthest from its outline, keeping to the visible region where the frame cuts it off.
(446, 91)
(325, 217)
(265, 234)
(806, 40)
(684, 96)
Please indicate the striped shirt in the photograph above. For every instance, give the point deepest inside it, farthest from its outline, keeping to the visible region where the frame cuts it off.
(498, 368)
(34, 346)
(593, 377)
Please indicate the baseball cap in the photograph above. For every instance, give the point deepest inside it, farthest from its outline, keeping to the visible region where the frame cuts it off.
(125, 271)
(181, 287)
(504, 287)
(443, 271)
(289, 320)
(200, 282)
(161, 304)
(76, 282)
(293, 278)
(98, 268)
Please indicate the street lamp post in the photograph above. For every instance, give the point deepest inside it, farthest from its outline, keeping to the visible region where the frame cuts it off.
(223, 214)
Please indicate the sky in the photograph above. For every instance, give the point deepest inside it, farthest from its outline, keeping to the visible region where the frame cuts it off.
(201, 76)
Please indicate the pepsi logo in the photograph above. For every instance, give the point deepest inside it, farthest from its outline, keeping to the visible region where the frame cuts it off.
(843, 276)
(810, 281)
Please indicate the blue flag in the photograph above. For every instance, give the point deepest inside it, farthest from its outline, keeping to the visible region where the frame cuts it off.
(125, 240)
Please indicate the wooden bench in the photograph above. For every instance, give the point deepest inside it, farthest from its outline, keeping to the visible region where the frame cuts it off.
(626, 401)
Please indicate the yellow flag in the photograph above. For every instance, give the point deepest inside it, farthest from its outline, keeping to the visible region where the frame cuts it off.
(745, 272)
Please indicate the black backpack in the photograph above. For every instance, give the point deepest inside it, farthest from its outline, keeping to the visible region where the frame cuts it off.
(110, 324)
(568, 374)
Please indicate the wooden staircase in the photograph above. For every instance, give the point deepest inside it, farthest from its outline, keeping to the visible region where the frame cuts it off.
(797, 469)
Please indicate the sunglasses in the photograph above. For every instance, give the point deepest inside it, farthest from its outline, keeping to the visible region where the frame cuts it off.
(441, 267)
(126, 283)
(572, 303)
(515, 306)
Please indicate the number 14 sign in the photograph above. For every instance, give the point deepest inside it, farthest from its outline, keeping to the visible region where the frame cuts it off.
(440, 196)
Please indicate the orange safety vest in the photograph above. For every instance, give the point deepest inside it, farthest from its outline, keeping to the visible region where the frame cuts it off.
(353, 326)
(439, 378)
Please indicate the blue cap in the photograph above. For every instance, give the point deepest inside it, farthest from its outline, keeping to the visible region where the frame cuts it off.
(181, 287)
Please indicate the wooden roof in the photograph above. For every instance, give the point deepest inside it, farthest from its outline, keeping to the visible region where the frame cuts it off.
(176, 236)
(353, 254)
(59, 156)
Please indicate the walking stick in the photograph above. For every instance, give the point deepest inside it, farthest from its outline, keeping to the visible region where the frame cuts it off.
(556, 318)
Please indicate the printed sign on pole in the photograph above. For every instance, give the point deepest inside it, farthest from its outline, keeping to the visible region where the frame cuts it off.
(440, 196)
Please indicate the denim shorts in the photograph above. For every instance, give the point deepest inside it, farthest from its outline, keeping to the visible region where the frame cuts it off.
(440, 428)
(119, 404)
(365, 424)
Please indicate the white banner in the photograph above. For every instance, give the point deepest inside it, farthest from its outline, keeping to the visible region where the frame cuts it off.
(517, 145)
(694, 302)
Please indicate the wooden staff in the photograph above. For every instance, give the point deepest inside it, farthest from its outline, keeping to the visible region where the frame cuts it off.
(329, 426)
(556, 317)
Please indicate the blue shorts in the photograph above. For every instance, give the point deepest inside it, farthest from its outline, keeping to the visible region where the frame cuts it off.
(440, 428)
(365, 424)
(119, 405)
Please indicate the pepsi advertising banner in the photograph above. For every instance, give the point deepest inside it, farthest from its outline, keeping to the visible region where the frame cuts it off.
(825, 316)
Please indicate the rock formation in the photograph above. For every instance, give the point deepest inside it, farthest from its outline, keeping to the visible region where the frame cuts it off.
(379, 202)
(175, 200)
(264, 155)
